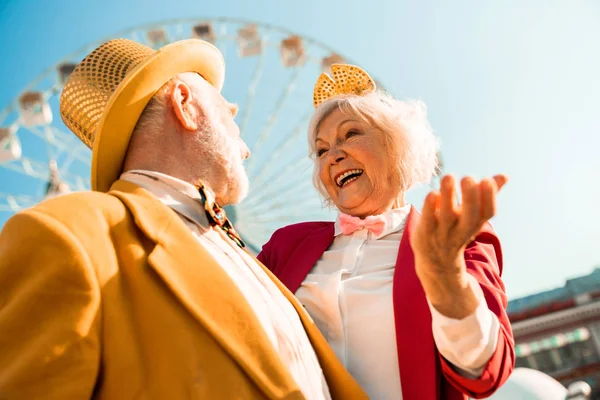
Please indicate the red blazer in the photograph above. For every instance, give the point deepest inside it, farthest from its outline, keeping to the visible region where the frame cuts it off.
(293, 250)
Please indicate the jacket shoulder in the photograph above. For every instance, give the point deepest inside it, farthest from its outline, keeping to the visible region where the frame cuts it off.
(82, 201)
(285, 240)
(300, 229)
(81, 210)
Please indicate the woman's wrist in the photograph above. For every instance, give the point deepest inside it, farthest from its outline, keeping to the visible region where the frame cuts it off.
(450, 294)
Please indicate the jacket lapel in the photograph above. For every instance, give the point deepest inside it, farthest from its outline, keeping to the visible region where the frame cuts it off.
(341, 384)
(417, 355)
(306, 255)
(207, 292)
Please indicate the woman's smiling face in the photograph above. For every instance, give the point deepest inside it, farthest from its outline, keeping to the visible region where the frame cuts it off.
(354, 166)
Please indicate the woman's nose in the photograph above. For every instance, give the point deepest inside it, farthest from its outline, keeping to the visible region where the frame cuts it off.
(336, 156)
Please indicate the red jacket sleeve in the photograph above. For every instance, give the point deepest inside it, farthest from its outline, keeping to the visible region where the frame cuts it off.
(484, 261)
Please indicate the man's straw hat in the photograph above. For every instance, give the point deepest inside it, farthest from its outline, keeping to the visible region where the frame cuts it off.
(105, 95)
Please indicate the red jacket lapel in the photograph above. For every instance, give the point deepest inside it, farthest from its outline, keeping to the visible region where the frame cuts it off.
(417, 356)
(305, 256)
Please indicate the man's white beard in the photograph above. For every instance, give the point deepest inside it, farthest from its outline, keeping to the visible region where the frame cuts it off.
(238, 183)
(225, 167)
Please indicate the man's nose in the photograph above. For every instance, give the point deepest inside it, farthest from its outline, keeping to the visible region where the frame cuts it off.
(245, 151)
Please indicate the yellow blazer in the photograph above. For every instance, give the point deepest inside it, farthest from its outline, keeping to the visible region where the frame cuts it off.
(109, 296)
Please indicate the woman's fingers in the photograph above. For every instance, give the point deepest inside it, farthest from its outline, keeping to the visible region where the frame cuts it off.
(448, 215)
(428, 218)
(500, 181)
(470, 209)
(443, 221)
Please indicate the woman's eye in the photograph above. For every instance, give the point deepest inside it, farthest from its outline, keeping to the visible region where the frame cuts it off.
(320, 152)
(349, 134)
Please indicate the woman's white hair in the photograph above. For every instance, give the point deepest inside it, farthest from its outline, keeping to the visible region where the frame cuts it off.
(409, 138)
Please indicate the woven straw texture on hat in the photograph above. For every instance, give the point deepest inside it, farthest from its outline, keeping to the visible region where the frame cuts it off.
(347, 80)
(86, 93)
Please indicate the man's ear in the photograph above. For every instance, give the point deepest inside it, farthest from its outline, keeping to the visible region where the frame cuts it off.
(185, 110)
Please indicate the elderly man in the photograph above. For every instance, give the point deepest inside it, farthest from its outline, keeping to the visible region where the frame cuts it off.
(141, 288)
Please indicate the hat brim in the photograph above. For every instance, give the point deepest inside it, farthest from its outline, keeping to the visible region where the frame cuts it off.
(127, 103)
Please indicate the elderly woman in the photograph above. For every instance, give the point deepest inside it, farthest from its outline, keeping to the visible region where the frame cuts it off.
(413, 305)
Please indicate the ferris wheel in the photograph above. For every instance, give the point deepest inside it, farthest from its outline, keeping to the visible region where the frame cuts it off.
(270, 74)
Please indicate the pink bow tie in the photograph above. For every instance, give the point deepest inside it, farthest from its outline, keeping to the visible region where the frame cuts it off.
(374, 224)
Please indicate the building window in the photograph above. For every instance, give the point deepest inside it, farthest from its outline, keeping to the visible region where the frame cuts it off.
(577, 354)
(546, 361)
(558, 352)
(522, 362)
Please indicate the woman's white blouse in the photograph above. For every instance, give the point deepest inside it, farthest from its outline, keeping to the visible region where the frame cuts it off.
(349, 295)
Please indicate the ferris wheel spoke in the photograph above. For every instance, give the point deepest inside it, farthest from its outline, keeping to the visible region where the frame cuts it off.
(283, 148)
(52, 92)
(12, 203)
(273, 192)
(135, 36)
(291, 169)
(269, 192)
(245, 223)
(290, 199)
(71, 156)
(275, 189)
(284, 210)
(78, 184)
(27, 167)
(6, 112)
(37, 170)
(52, 154)
(222, 40)
(64, 137)
(256, 230)
(60, 140)
(303, 212)
(284, 219)
(75, 151)
(252, 90)
(178, 32)
(264, 135)
(305, 194)
(254, 226)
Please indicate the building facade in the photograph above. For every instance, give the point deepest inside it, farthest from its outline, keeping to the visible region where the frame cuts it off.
(558, 331)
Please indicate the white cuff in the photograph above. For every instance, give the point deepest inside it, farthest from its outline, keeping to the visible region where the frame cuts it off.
(467, 343)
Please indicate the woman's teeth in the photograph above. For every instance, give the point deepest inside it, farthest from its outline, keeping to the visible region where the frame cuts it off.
(348, 176)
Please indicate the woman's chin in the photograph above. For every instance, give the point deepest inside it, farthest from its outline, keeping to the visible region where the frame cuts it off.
(348, 206)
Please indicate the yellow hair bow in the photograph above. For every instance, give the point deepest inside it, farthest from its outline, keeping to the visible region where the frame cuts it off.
(347, 79)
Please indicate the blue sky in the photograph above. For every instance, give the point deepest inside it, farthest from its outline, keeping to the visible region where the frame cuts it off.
(511, 86)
